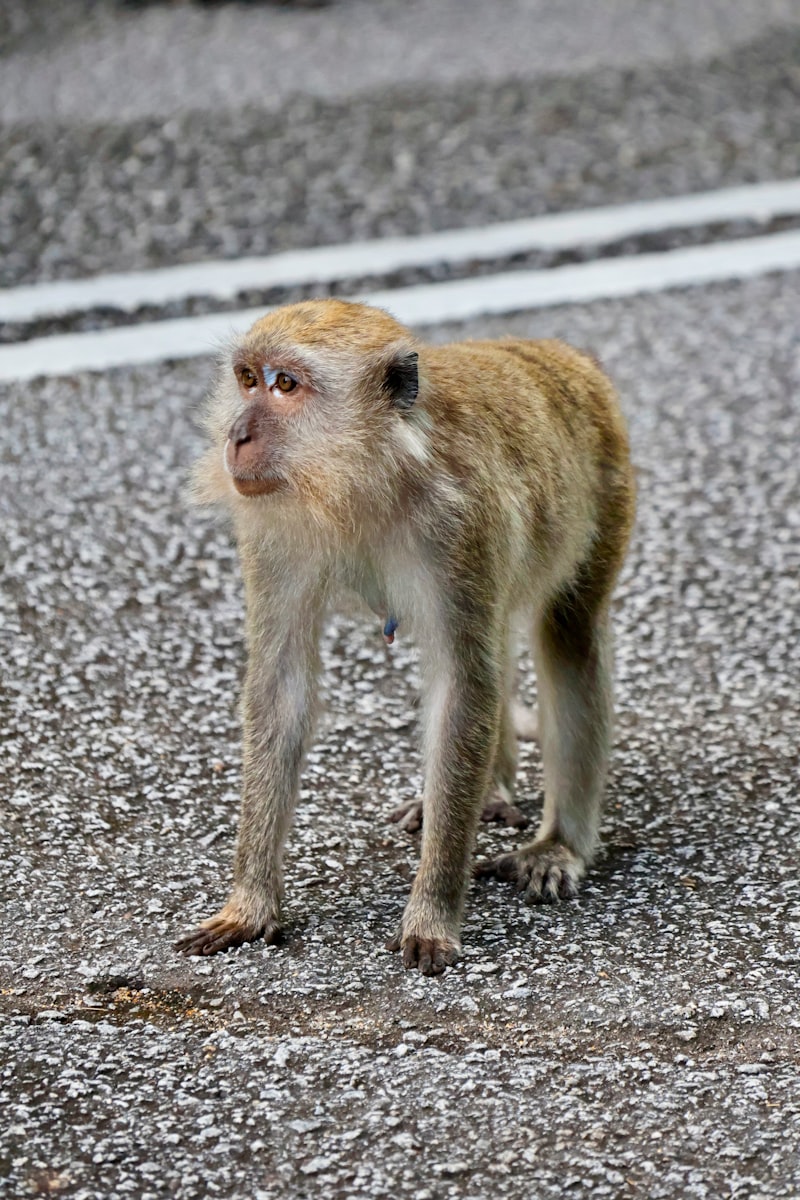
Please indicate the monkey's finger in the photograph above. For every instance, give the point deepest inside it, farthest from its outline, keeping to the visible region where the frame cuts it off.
(550, 882)
(226, 939)
(430, 956)
(215, 936)
(568, 888)
(551, 885)
(433, 964)
(417, 954)
(200, 934)
(394, 942)
(443, 957)
(191, 943)
(534, 891)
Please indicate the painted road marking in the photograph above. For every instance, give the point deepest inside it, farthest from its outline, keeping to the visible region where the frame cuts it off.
(327, 264)
(426, 304)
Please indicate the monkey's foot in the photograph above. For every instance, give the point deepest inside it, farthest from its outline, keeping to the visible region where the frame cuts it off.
(546, 870)
(409, 815)
(224, 931)
(500, 809)
(431, 956)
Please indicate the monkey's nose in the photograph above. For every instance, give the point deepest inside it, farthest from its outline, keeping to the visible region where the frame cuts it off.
(241, 431)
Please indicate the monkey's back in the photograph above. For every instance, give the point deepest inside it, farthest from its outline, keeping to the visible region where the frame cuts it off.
(538, 423)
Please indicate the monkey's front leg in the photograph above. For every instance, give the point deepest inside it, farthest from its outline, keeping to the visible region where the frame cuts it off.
(277, 713)
(461, 737)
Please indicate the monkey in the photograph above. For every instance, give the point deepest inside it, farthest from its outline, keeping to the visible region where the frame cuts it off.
(460, 490)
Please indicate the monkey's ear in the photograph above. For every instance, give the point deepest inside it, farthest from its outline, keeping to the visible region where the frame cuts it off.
(402, 379)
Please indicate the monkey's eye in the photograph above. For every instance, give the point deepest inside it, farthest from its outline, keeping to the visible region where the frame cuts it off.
(249, 378)
(284, 382)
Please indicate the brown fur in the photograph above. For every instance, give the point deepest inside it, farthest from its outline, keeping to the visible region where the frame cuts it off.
(502, 490)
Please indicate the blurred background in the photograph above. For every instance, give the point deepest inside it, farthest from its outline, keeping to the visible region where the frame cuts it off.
(141, 134)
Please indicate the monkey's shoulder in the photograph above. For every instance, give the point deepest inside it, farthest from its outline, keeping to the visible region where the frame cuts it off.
(520, 380)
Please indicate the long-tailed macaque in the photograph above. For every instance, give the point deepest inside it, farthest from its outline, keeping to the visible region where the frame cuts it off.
(459, 489)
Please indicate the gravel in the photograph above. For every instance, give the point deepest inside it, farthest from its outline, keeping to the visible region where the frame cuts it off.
(644, 1038)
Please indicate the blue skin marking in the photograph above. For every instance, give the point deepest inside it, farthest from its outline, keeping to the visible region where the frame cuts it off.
(271, 374)
(389, 628)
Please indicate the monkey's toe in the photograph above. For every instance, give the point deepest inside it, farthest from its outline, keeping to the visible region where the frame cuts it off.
(505, 813)
(408, 816)
(542, 871)
(222, 933)
(431, 956)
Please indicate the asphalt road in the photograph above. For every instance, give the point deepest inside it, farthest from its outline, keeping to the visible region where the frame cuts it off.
(643, 1040)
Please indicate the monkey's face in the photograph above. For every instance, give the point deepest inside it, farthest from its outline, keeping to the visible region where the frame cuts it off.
(316, 393)
(274, 398)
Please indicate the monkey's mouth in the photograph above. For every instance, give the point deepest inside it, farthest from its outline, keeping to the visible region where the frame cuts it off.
(256, 487)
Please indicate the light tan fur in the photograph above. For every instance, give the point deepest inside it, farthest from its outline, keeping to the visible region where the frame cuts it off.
(459, 489)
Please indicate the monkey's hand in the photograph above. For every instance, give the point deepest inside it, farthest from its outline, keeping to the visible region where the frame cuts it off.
(432, 956)
(227, 929)
(546, 870)
(427, 937)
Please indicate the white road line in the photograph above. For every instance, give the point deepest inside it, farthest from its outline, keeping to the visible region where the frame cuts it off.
(324, 264)
(428, 304)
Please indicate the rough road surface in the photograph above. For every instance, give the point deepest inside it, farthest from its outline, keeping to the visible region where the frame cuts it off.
(643, 1040)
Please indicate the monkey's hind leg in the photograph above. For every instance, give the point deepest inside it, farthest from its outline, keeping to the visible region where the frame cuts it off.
(572, 649)
(499, 806)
